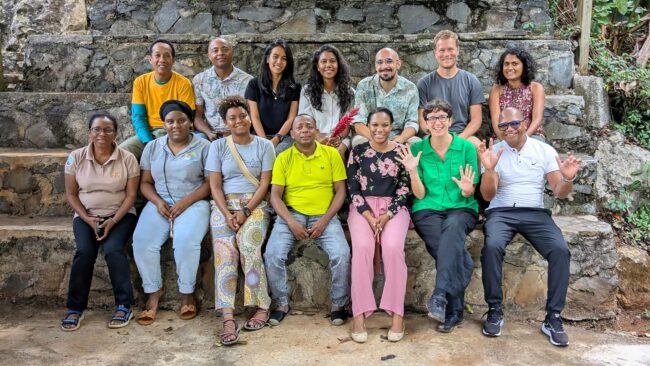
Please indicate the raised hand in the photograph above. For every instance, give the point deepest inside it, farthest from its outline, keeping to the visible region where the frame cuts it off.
(466, 181)
(405, 156)
(569, 167)
(486, 153)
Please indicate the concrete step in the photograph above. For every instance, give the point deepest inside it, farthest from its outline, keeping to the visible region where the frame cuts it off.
(57, 120)
(86, 63)
(32, 182)
(37, 253)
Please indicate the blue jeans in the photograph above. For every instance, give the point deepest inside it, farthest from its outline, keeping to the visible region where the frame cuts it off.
(332, 241)
(152, 232)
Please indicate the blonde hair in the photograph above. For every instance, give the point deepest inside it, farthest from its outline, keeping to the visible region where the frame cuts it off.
(445, 34)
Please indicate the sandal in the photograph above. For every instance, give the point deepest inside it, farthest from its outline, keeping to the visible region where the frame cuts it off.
(76, 323)
(122, 319)
(224, 334)
(277, 316)
(255, 323)
(147, 317)
(188, 311)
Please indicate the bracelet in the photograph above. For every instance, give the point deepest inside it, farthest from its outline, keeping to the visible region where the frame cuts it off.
(568, 180)
(112, 219)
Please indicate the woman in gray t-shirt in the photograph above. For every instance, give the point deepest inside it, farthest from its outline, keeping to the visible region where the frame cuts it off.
(240, 173)
(174, 182)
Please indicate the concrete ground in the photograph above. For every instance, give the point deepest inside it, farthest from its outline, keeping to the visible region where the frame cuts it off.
(32, 336)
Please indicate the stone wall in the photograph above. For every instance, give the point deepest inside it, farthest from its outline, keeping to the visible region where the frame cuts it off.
(312, 16)
(109, 64)
(35, 264)
(19, 19)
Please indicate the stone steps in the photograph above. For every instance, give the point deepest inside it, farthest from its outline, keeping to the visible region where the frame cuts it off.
(59, 120)
(37, 254)
(32, 182)
(100, 63)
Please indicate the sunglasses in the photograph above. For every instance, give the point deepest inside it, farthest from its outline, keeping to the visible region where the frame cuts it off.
(514, 124)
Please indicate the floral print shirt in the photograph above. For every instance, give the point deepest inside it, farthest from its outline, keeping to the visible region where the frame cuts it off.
(371, 173)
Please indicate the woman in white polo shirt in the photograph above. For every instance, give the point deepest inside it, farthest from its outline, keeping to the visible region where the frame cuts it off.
(101, 183)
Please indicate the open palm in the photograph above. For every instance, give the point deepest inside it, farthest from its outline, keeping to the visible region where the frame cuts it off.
(466, 181)
(569, 167)
(405, 156)
(488, 158)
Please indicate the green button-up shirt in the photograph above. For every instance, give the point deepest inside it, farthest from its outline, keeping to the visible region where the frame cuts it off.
(442, 193)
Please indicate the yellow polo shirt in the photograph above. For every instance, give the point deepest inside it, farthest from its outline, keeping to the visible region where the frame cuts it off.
(147, 92)
(309, 180)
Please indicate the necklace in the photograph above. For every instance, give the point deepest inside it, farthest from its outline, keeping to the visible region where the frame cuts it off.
(379, 155)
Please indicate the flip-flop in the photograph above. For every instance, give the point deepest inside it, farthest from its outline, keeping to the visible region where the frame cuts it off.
(146, 317)
(223, 334)
(188, 311)
(75, 322)
(254, 323)
(124, 319)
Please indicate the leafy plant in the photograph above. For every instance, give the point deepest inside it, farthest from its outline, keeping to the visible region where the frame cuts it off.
(632, 206)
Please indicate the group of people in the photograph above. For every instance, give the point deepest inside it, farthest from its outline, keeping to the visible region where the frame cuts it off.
(231, 154)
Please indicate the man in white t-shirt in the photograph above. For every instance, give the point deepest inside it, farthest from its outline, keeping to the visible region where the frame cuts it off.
(514, 174)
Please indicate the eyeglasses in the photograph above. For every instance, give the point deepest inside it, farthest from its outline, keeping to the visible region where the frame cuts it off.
(434, 119)
(388, 61)
(514, 124)
(107, 130)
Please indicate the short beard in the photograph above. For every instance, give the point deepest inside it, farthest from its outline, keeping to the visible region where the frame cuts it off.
(389, 78)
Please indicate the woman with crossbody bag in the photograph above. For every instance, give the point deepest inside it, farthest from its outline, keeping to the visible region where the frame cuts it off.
(240, 173)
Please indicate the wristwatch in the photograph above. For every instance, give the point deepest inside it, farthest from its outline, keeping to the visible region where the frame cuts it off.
(280, 136)
(246, 211)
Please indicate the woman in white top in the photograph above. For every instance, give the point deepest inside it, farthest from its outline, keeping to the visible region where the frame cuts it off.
(328, 95)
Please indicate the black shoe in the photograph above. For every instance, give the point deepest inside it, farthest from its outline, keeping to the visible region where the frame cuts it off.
(277, 316)
(452, 321)
(494, 322)
(553, 328)
(338, 317)
(437, 305)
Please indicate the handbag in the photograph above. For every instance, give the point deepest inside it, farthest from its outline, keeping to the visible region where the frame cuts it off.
(244, 169)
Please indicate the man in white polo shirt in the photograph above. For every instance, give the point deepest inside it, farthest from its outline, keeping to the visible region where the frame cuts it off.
(514, 174)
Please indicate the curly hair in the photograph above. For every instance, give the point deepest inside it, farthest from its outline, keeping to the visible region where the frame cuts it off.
(527, 62)
(343, 87)
(266, 80)
(232, 101)
(438, 105)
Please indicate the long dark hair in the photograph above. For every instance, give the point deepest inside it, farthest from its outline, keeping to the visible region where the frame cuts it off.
(527, 61)
(342, 89)
(287, 81)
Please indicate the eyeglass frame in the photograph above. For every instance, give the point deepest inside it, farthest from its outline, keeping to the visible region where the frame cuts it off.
(106, 131)
(435, 119)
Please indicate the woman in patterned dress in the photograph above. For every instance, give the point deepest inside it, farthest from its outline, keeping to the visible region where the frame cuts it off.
(238, 219)
(514, 87)
(379, 188)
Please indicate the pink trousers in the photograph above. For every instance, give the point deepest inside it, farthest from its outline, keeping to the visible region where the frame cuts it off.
(392, 253)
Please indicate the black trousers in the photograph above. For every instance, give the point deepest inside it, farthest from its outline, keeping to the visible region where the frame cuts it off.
(536, 226)
(83, 264)
(444, 234)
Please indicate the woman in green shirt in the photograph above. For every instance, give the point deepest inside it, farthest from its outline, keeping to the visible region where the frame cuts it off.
(443, 175)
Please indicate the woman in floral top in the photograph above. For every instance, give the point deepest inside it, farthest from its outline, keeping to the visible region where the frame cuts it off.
(379, 187)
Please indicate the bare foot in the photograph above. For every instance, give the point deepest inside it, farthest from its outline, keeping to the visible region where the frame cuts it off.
(398, 324)
(359, 324)
(154, 298)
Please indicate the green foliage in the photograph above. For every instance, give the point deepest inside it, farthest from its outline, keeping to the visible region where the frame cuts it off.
(646, 313)
(628, 85)
(633, 219)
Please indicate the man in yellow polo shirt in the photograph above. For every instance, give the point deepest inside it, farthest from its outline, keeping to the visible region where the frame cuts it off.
(311, 177)
(150, 91)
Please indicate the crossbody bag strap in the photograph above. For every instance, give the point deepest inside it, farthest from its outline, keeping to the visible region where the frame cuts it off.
(240, 162)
